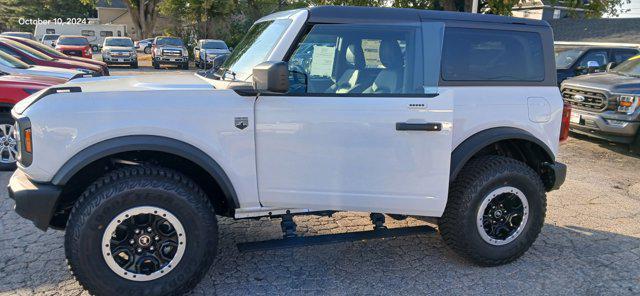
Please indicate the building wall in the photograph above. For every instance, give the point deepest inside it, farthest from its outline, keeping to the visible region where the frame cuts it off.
(121, 16)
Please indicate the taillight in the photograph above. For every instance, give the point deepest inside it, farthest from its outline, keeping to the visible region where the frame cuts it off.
(566, 121)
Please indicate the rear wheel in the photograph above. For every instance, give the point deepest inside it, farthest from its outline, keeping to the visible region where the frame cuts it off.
(8, 145)
(143, 231)
(495, 210)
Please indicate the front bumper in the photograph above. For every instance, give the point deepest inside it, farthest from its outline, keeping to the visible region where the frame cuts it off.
(170, 60)
(34, 201)
(119, 60)
(596, 125)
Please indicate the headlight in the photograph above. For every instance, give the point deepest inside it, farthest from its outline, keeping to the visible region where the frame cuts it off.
(627, 104)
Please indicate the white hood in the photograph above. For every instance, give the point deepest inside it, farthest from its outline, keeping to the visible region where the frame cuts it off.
(140, 83)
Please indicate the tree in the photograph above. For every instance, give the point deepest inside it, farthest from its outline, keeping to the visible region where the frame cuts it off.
(143, 14)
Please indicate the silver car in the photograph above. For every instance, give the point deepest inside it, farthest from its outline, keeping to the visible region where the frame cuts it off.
(119, 50)
(208, 49)
(13, 66)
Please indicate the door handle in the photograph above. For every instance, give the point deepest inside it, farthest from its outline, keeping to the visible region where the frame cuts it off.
(429, 127)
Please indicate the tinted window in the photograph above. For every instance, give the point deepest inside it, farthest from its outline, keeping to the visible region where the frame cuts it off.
(492, 55)
(50, 31)
(106, 33)
(621, 55)
(566, 56)
(213, 45)
(356, 59)
(126, 42)
(78, 41)
(170, 41)
(88, 33)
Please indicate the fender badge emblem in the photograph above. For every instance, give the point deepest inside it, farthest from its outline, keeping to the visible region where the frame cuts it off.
(242, 122)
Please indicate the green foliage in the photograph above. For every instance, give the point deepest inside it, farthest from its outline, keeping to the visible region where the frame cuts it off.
(12, 10)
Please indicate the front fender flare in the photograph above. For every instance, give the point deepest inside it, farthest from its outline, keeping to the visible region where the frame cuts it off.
(149, 143)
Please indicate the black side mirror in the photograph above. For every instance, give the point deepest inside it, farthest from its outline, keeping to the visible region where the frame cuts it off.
(271, 77)
(610, 66)
(218, 61)
(196, 48)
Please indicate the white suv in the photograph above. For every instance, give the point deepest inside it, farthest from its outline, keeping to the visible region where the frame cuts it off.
(397, 111)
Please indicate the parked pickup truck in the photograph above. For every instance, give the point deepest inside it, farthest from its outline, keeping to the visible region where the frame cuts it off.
(399, 111)
(606, 105)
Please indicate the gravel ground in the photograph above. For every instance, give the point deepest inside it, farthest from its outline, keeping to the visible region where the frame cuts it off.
(590, 245)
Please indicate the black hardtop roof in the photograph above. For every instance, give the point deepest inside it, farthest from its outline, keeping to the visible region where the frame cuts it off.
(360, 14)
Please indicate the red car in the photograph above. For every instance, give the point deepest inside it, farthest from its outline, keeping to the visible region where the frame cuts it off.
(34, 57)
(14, 88)
(47, 50)
(77, 46)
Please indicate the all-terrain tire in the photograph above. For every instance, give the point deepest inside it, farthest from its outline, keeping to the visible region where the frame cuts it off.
(155, 65)
(476, 181)
(132, 187)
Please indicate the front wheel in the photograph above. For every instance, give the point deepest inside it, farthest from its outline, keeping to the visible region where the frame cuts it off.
(143, 231)
(495, 210)
(8, 145)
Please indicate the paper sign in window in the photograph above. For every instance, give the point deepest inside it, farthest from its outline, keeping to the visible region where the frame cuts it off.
(322, 60)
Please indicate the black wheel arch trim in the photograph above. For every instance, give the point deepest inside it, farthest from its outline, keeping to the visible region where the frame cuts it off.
(473, 144)
(149, 143)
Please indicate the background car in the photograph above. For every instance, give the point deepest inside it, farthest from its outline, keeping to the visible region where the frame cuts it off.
(50, 39)
(34, 57)
(169, 50)
(19, 34)
(607, 105)
(77, 46)
(119, 50)
(578, 58)
(58, 55)
(14, 88)
(206, 50)
(13, 66)
(144, 45)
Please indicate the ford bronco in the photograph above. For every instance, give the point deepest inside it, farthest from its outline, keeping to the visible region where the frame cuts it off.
(398, 111)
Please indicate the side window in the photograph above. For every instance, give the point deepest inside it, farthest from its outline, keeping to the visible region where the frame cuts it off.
(621, 55)
(50, 31)
(492, 55)
(88, 33)
(599, 56)
(357, 59)
(106, 34)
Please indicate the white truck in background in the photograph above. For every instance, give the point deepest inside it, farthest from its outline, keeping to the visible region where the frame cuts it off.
(95, 33)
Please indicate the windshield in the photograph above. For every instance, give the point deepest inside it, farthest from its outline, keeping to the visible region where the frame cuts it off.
(43, 48)
(126, 42)
(169, 41)
(631, 67)
(50, 37)
(9, 61)
(214, 45)
(255, 46)
(28, 50)
(565, 56)
(76, 41)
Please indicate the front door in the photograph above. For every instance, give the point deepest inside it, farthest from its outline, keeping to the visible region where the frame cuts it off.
(359, 130)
